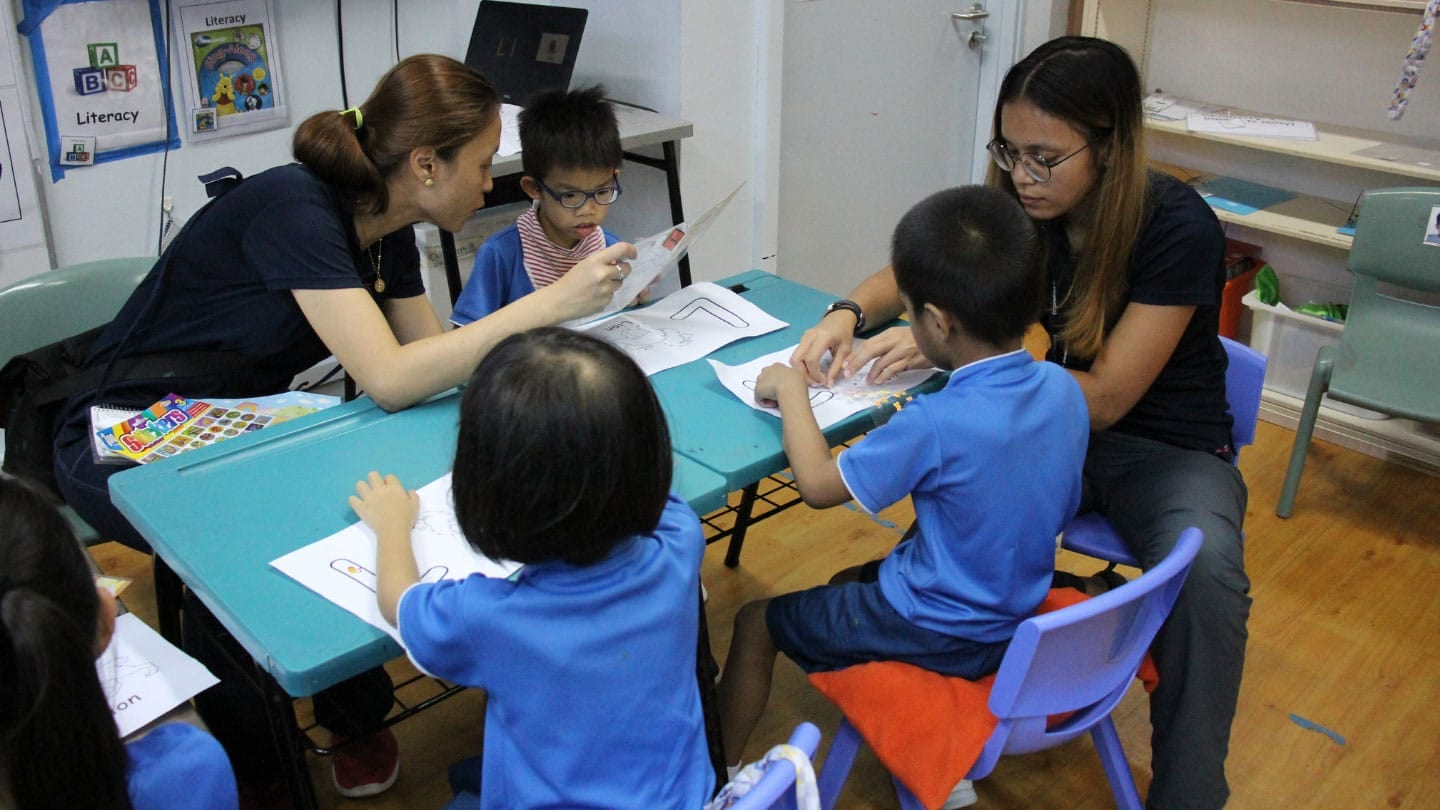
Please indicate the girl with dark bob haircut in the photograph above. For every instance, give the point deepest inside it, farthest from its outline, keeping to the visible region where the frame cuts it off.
(563, 450)
(562, 463)
(58, 744)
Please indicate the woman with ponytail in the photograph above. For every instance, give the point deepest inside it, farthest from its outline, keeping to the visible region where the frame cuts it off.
(58, 744)
(312, 259)
(1134, 274)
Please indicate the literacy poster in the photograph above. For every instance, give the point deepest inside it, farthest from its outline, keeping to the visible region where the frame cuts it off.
(231, 66)
(102, 78)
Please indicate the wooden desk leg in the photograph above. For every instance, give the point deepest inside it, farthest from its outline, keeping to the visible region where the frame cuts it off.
(169, 595)
(706, 670)
(742, 524)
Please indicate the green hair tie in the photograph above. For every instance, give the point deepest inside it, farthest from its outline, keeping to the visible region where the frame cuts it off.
(359, 118)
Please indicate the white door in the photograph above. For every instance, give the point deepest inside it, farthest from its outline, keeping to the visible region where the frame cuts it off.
(883, 102)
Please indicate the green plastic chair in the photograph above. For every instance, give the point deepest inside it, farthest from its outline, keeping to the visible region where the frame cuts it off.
(1388, 358)
(53, 306)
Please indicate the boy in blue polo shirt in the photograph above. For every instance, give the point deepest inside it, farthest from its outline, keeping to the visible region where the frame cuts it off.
(992, 463)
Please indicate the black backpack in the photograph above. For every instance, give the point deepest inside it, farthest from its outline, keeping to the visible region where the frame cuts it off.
(34, 386)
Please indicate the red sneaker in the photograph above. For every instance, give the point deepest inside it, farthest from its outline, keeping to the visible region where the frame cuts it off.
(366, 766)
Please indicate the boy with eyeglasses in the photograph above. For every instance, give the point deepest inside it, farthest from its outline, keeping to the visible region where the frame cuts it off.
(570, 154)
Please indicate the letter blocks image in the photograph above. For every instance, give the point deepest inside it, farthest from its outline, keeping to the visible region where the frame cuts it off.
(121, 78)
(89, 80)
(103, 54)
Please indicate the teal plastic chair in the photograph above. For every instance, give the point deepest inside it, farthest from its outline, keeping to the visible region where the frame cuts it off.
(53, 306)
(1388, 357)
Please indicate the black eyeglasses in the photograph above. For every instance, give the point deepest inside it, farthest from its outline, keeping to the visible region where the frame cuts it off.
(1037, 166)
(576, 198)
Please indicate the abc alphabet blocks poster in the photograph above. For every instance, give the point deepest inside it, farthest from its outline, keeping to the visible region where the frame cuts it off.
(99, 69)
(231, 67)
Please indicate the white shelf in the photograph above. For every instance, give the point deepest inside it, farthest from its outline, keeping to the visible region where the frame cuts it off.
(1308, 219)
(1403, 6)
(1335, 145)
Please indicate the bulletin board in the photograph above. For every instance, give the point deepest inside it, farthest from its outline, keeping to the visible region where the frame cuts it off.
(102, 77)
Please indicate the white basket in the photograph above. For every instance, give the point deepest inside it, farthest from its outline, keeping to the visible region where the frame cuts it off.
(1291, 340)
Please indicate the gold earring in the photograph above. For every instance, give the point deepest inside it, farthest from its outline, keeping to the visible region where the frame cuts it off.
(429, 181)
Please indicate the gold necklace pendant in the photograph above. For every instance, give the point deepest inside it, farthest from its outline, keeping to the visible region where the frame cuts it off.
(377, 257)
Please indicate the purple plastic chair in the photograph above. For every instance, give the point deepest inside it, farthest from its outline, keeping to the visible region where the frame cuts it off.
(1091, 534)
(1079, 661)
(776, 789)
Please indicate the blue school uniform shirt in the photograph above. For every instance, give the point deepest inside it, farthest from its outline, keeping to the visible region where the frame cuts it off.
(498, 277)
(179, 767)
(589, 672)
(992, 464)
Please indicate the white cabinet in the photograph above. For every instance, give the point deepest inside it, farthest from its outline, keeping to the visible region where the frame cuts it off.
(1331, 63)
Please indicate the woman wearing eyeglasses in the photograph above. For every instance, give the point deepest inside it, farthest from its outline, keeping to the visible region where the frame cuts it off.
(1135, 274)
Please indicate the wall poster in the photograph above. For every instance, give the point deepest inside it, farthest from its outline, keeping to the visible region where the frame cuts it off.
(102, 77)
(229, 60)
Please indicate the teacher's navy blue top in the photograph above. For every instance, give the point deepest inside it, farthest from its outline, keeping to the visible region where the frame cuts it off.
(991, 463)
(229, 288)
(1179, 260)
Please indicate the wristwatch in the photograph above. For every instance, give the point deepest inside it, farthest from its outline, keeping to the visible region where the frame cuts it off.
(849, 306)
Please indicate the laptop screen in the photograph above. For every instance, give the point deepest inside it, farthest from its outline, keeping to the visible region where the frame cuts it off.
(524, 48)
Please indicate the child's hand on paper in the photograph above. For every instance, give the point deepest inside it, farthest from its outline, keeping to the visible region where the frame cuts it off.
(778, 380)
(386, 506)
(894, 351)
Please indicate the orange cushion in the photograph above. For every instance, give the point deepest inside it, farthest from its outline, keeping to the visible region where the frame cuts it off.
(927, 729)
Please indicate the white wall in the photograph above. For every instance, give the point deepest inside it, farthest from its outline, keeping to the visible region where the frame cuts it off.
(715, 63)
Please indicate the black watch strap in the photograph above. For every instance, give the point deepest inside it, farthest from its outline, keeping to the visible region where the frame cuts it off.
(849, 306)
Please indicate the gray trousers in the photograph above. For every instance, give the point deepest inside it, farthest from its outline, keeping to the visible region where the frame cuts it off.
(1150, 491)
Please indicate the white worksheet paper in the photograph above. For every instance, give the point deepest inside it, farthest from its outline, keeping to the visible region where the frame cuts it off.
(144, 676)
(1225, 123)
(848, 396)
(683, 326)
(341, 567)
(509, 130)
(654, 255)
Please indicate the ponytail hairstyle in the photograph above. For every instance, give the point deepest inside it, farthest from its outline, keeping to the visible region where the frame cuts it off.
(59, 747)
(425, 100)
(1093, 85)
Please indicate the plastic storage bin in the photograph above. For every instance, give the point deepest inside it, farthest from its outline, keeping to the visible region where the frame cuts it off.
(1291, 340)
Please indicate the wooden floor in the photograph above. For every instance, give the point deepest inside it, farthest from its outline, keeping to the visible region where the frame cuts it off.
(1340, 705)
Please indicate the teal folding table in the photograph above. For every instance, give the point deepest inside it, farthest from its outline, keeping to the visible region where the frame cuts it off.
(710, 425)
(217, 516)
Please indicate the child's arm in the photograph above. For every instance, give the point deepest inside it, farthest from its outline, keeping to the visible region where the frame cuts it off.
(816, 473)
(390, 511)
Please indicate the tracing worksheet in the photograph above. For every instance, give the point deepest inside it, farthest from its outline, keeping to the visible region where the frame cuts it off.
(341, 567)
(144, 676)
(683, 326)
(849, 395)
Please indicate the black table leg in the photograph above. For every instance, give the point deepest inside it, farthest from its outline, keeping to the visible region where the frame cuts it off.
(706, 671)
(742, 524)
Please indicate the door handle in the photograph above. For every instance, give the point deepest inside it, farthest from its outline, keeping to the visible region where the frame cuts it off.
(976, 13)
